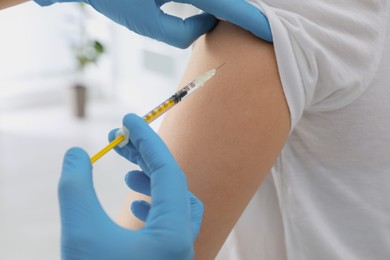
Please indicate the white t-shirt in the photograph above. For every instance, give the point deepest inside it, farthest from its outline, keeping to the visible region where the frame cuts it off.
(328, 194)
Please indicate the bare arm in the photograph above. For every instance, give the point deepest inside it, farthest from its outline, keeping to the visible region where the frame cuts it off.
(8, 3)
(227, 136)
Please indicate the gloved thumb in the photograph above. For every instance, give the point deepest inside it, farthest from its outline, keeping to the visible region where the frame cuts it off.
(79, 204)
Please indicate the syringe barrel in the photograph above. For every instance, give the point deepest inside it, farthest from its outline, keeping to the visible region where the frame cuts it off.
(198, 82)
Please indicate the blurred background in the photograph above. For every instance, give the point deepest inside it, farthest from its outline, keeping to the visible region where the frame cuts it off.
(67, 77)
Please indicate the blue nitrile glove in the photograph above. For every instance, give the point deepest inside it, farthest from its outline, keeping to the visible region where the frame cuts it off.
(140, 182)
(238, 12)
(87, 231)
(146, 18)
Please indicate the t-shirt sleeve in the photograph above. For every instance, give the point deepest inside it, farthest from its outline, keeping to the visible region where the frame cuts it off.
(327, 51)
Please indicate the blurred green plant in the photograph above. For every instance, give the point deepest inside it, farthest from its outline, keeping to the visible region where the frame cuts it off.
(90, 52)
(87, 51)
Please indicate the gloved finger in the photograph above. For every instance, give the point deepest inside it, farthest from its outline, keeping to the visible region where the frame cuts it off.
(238, 12)
(128, 151)
(138, 181)
(197, 211)
(168, 183)
(79, 204)
(140, 209)
(50, 2)
(189, 29)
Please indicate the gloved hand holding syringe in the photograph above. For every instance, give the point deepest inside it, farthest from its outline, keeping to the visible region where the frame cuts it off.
(122, 136)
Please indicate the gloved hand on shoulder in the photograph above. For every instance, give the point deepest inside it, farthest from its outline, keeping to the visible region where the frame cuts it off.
(146, 18)
(238, 12)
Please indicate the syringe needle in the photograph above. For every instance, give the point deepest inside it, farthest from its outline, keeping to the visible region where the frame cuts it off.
(220, 66)
(122, 138)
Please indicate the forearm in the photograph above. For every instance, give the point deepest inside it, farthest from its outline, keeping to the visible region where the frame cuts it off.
(8, 3)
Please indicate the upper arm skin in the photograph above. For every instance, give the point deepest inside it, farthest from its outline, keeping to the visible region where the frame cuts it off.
(228, 134)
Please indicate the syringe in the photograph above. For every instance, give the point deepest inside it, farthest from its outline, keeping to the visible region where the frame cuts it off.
(122, 135)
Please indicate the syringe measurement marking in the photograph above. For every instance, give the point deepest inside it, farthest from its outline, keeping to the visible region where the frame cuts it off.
(156, 112)
(159, 110)
(188, 87)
